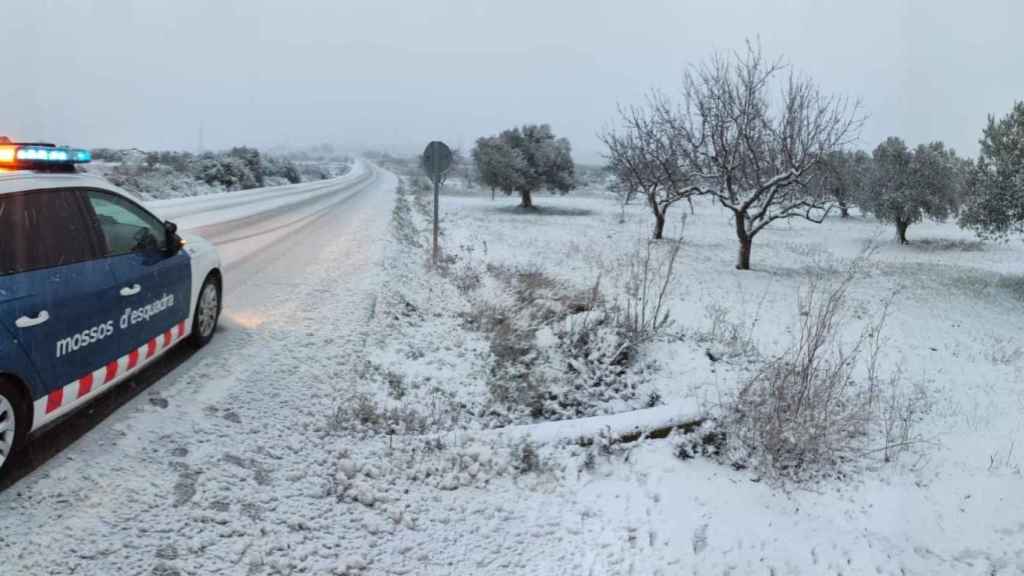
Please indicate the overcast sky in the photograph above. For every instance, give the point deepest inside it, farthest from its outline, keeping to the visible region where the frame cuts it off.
(394, 75)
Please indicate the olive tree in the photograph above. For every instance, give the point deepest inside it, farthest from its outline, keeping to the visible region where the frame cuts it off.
(498, 164)
(995, 199)
(844, 178)
(525, 160)
(908, 185)
(752, 133)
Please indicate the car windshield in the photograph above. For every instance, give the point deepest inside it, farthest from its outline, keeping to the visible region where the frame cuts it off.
(481, 287)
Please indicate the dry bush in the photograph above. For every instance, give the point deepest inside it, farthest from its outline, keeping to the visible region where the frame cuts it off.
(725, 337)
(461, 269)
(642, 311)
(558, 352)
(899, 411)
(800, 408)
(564, 353)
(364, 415)
(823, 405)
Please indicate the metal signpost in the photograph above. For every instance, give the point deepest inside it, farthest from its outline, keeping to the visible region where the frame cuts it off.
(436, 160)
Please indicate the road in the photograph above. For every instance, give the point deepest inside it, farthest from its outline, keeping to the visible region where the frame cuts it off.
(254, 228)
(267, 239)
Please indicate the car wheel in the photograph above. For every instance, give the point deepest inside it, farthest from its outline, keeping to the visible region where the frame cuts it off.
(13, 422)
(204, 321)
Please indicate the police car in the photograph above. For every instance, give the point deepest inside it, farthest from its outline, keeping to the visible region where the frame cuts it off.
(93, 287)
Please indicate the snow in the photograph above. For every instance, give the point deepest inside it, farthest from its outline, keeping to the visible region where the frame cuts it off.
(226, 206)
(178, 178)
(613, 425)
(950, 506)
(338, 423)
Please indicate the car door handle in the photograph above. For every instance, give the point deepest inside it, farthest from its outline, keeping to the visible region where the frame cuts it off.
(26, 322)
(131, 290)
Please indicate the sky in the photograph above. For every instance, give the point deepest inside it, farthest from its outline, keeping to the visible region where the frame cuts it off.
(389, 75)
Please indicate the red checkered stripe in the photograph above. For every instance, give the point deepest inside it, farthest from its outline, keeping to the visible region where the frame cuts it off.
(63, 400)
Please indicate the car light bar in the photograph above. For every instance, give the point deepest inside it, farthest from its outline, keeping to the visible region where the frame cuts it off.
(28, 155)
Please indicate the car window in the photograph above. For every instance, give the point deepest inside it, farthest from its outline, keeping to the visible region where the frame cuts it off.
(42, 229)
(126, 226)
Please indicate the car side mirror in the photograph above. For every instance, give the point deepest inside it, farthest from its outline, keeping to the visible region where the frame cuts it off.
(174, 242)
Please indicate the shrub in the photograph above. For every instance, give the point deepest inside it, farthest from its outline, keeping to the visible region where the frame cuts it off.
(525, 458)
(159, 174)
(643, 310)
(725, 338)
(806, 413)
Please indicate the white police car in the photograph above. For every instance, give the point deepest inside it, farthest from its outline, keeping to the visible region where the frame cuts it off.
(93, 287)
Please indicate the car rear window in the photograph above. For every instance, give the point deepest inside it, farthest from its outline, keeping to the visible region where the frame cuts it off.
(42, 229)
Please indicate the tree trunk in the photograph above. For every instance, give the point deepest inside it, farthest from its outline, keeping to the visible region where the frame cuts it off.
(527, 199)
(743, 262)
(901, 230)
(690, 200)
(659, 224)
(844, 210)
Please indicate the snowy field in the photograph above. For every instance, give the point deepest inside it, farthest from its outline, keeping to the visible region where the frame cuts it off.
(950, 504)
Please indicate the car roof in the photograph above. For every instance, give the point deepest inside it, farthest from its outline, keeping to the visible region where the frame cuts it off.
(25, 180)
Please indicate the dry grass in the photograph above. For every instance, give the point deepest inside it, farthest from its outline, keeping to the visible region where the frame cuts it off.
(643, 311)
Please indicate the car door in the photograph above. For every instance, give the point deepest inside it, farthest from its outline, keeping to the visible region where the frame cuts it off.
(153, 283)
(56, 291)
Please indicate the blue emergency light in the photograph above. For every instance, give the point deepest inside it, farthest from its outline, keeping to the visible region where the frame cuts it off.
(40, 155)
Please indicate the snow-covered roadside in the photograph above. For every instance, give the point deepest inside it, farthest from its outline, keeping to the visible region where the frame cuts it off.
(949, 506)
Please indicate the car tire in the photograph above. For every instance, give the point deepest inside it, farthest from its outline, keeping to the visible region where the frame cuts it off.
(14, 422)
(207, 312)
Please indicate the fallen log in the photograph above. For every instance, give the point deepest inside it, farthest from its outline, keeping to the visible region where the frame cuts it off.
(621, 428)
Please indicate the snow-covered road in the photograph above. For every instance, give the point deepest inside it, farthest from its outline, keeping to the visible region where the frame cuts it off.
(177, 480)
(247, 225)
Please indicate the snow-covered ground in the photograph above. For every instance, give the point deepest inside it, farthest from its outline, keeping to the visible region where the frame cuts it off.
(950, 505)
(345, 421)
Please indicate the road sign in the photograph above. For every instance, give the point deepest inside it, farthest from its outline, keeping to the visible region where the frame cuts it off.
(436, 159)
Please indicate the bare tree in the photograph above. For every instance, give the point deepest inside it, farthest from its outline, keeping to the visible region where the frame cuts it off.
(752, 132)
(646, 160)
